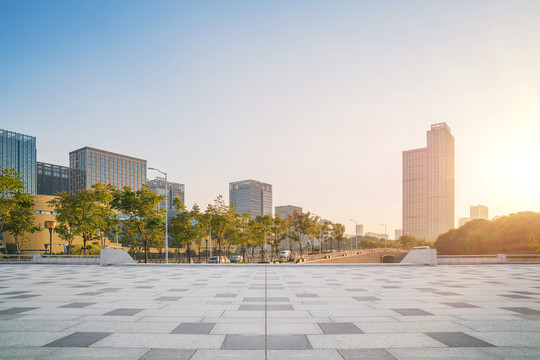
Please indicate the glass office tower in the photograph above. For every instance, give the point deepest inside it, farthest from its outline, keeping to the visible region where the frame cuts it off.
(251, 196)
(18, 151)
(52, 179)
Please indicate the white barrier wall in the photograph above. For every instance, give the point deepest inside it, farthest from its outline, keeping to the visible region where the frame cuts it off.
(115, 256)
(421, 257)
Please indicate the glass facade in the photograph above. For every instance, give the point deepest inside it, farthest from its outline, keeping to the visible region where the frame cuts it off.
(175, 189)
(52, 179)
(250, 196)
(90, 166)
(18, 151)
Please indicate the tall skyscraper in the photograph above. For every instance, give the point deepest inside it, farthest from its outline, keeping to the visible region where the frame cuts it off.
(287, 210)
(18, 151)
(250, 196)
(174, 189)
(52, 179)
(479, 212)
(90, 166)
(428, 185)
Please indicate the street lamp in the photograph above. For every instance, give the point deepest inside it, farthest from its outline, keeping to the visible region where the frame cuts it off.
(385, 235)
(166, 214)
(50, 224)
(356, 237)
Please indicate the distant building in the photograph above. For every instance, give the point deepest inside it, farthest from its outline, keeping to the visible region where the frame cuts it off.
(398, 233)
(18, 151)
(52, 179)
(251, 196)
(360, 229)
(429, 186)
(287, 210)
(479, 212)
(175, 189)
(90, 166)
(463, 221)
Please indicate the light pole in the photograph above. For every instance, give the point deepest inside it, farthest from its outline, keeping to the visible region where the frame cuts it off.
(50, 224)
(356, 236)
(166, 214)
(385, 235)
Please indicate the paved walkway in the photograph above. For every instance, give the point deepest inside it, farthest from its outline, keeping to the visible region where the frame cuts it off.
(312, 312)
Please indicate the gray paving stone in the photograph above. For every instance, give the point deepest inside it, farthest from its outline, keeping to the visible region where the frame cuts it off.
(168, 354)
(522, 310)
(339, 328)
(25, 352)
(458, 339)
(123, 312)
(268, 307)
(89, 353)
(307, 295)
(22, 297)
(521, 352)
(274, 342)
(16, 310)
(79, 339)
(268, 299)
(366, 298)
(91, 293)
(366, 354)
(77, 305)
(441, 354)
(412, 312)
(193, 328)
(459, 305)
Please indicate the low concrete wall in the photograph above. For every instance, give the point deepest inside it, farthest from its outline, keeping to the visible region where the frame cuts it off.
(421, 257)
(360, 257)
(65, 259)
(113, 255)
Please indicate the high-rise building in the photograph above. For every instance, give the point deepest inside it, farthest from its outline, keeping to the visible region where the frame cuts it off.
(18, 151)
(428, 185)
(463, 221)
(479, 212)
(250, 196)
(52, 179)
(397, 234)
(174, 189)
(90, 166)
(360, 229)
(287, 210)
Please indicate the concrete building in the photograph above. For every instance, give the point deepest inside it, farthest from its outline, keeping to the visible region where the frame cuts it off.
(360, 229)
(429, 185)
(90, 166)
(479, 212)
(18, 151)
(251, 196)
(174, 189)
(52, 179)
(397, 234)
(287, 210)
(463, 221)
(377, 235)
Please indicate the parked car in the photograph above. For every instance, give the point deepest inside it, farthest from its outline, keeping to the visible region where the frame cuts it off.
(285, 254)
(237, 258)
(218, 259)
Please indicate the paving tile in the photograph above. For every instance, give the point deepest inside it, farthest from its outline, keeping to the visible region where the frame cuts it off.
(123, 312)
(366, 298)
(168, 298)
(412, 312)
(441, 353)
(225, 295)
(370, 341)
(339, 328)
(366, 354)
(86, 353)
(513, 296)
(522, 310)
(168, 354)
(458, 339)
(459, 305)
(25, 352)
(228, 354)
(77, 305)
(268, 307)
(79, 339)
(193, 328)
(269, 299)
(22, 296)
(307, 295)
(521, 352)
(304, 355)
(163, 341)
(91, 293)
(16, 310)
(274, 342)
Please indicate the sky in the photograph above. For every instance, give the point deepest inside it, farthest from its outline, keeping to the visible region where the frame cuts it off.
(317, 98)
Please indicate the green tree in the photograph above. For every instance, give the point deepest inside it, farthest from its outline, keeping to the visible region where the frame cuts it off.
(337, 233)
(10, 185)
(534, 242)
(145, 222)
(278, 230)
(185, 226)
(84, 213)
(64, 232)
(20, 221)
(220, 218)
(302, 228)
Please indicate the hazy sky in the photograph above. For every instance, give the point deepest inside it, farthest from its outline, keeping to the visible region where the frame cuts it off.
(318, 98)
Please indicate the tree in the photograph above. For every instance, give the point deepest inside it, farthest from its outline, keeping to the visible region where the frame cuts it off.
(534, 242)
(220, 218)
(10, 185)
(302, 226)
(145, 222)
(185, 227)
(278, 229)
(84, 213)
(20, 221)
(64, 232)
(337, 233)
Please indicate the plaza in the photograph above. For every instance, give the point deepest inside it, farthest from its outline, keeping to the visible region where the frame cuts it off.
(324, 312)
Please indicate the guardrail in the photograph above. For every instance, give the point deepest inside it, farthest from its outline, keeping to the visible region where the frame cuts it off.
(14, 258)
(488, 259)
(65, 259)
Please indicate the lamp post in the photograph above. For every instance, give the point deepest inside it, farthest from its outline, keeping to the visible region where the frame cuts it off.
(166, 214)
(385, 235)
(356, 236)
(50, 224)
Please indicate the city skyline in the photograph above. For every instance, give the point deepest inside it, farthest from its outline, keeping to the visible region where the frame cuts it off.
(285, 93)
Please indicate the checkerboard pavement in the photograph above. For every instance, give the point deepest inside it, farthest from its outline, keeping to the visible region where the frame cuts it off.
(313, 312)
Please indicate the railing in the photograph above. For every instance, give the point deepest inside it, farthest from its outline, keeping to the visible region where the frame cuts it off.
(488, 259)
(65, 259)
(523, 258)
(14, 258)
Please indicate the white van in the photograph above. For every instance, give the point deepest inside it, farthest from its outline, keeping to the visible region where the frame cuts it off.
(284, 254)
